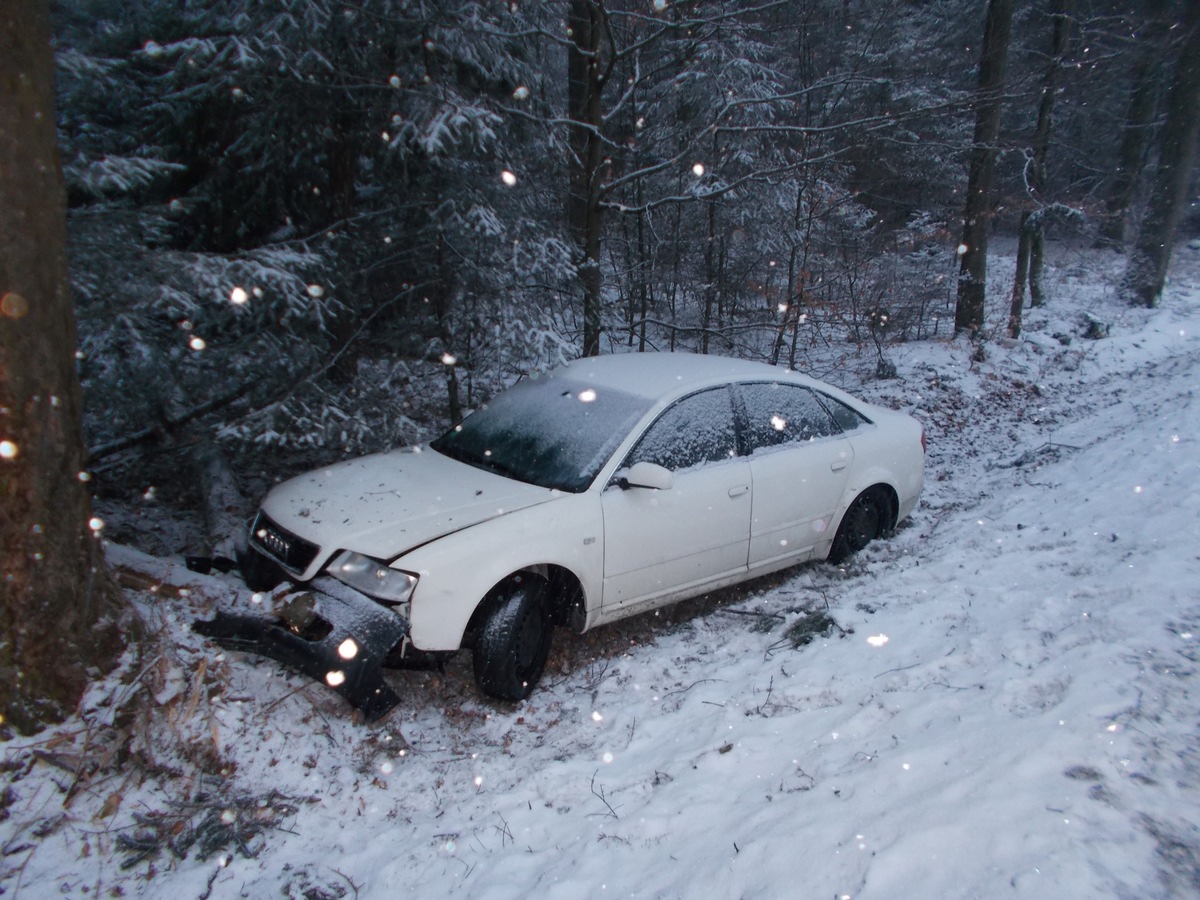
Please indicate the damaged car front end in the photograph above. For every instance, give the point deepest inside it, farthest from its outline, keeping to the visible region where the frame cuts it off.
(342, 629)
(348, 614)
(332, 634)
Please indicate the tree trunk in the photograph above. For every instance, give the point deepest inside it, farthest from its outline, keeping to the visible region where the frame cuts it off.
(1139, 125)
(584, 84)
(710, 276)
(1146, 272)
(350, 286)
(442, 299)
(1030, 248)
(58, 615)
(1061, 14)
(222, 503)
(969, 310)
(645, 273)
(1018, 293)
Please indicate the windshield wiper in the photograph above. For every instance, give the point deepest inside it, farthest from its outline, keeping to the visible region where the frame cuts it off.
(479, 462)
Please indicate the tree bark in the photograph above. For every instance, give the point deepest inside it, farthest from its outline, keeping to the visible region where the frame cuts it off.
(222, 503)
(1061, 14)
(1139, 124)
(1030, 246)
(584, 85)
(1017, 304)
(58, 615)
(969, 309)
(1146, 272)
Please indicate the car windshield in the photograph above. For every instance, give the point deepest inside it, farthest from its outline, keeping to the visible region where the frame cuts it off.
(545, 431)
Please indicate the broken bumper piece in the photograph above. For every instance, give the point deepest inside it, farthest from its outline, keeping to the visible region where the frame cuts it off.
(330, 633)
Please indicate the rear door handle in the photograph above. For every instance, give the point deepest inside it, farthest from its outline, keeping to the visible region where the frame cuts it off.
(739, 490)
(839, 465)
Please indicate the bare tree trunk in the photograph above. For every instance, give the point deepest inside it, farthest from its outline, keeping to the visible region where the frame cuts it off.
(58, 615)
(342, 153)
(676, 266)
(645, 273)
(1030, 247)
(969, 310)
(1139, 125)
(710, 276)
(1037, 265)
(584, 85)
(795, 279)
(1018, 291)
(1146, 272)
(442, 294)
(343, 171)
(1040, 146)
(225, 506)
(222, 503)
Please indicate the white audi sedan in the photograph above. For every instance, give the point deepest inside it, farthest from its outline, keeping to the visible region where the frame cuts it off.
(604, 488)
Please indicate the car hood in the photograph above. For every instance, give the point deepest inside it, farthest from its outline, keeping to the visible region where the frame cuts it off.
(389, 503)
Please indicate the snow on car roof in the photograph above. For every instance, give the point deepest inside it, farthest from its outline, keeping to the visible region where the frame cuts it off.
(653, 374)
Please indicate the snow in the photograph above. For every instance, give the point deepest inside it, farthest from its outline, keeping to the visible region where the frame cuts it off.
(1003, 705)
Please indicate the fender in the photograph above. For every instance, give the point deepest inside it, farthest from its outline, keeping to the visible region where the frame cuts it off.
(456, 572)
(891, 447)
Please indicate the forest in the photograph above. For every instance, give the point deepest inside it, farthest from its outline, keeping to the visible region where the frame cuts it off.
(256, 237)
(305, 229)
(301, 230)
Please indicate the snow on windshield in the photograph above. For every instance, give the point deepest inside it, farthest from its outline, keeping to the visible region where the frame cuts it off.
(547, 431)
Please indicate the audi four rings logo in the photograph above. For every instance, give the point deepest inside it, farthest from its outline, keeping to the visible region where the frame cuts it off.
(273, 542)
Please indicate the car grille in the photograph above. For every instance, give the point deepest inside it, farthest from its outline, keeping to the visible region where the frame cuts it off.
(294, 552)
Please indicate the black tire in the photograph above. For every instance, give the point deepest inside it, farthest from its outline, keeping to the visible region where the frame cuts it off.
(866, 518)
(513, 640)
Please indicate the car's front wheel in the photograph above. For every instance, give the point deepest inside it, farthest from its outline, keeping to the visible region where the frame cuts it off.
(867, 518)
(513, 640)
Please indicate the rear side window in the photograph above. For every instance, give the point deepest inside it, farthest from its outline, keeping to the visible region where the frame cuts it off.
(696, 430)
(779, 414)
(847, 419)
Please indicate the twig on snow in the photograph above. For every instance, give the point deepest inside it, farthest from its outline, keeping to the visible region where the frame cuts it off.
(899, 669)
(750, 612)
(349, 880)
(600, 793)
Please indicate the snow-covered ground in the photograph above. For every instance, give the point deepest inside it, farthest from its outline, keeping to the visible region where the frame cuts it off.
(1002, 703)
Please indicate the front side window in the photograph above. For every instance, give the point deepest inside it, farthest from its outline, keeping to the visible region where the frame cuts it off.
(695, 430)
(783, 414)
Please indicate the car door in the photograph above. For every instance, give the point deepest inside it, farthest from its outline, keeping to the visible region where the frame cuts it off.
(800, 463)
(661, 544)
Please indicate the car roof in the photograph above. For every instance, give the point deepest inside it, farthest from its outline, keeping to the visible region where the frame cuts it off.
(653, 375)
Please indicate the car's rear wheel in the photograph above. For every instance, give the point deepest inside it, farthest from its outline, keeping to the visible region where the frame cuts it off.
(867, 517)
(513, 640)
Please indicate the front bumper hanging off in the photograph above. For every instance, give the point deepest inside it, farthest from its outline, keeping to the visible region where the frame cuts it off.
(330, 633)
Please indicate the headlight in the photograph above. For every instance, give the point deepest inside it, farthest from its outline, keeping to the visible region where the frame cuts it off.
(372, 577)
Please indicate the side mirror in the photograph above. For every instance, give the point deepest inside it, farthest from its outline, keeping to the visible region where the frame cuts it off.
(647, 475)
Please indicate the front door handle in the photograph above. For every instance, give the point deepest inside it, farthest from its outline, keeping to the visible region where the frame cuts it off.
(739, 490)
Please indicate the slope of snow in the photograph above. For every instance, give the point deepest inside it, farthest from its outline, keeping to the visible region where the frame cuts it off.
(1003, 702)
